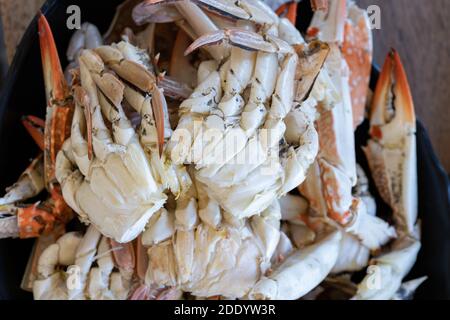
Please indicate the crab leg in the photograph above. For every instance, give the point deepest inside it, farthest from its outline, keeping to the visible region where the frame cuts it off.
(99, 277)
(255, 15)
(301, 272)
(51, 283)
(29, 185)
(385, 276)
(135, 73)
(42, 243)
(84, 258)
(60, 106)
(348, 26)
(199, 22)
(245, 39)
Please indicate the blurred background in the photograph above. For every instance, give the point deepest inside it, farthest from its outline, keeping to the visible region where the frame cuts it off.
(418, 29)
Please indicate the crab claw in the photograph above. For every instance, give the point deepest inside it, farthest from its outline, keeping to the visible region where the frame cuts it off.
(35, 221)
(393, 102)
(392, 149)
(55, 84)
(243, 39)
(35, 128)
(60, 106)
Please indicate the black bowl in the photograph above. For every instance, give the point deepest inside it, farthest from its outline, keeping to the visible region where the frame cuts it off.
(23, 94)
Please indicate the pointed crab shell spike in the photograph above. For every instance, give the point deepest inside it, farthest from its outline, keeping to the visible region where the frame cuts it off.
(409, 288)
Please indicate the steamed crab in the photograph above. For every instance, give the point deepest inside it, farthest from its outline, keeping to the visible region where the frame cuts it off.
(113, 186)
(232, 128)
(183, 176)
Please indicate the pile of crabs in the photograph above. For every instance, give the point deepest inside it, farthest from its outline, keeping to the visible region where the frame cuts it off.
(207, 148)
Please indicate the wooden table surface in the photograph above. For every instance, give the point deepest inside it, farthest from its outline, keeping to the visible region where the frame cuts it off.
(418, 29)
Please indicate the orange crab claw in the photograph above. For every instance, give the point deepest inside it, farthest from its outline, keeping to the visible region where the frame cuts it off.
(43, 217)
(392, 98)
(55, 83)
(35, 128)
(289, 10)
(60, 105)
(35, 221)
